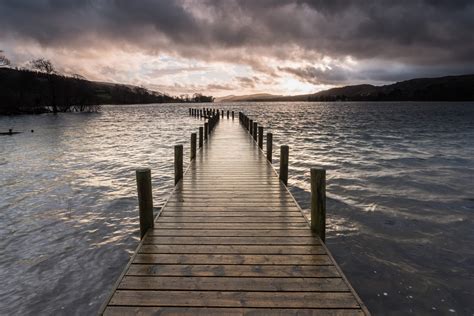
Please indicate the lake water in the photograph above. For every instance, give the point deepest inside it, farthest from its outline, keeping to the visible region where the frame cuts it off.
(400, 198)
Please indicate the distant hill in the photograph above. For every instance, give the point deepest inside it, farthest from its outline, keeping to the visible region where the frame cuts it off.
(450, 88)
(25, 91)
(248, 98)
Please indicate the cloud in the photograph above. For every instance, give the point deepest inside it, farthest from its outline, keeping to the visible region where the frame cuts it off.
(271, 37)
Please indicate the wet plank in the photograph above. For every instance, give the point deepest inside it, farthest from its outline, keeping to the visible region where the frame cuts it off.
(234, 249)
(234, 284)
(206, 311)
(235, 299)
(232, 259)
(231, 240)
(231, 233)
(275, 271)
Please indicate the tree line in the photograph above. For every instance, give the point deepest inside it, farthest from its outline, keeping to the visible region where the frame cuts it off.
(40, 88)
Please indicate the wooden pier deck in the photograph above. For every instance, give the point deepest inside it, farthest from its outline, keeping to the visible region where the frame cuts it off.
(231, 240)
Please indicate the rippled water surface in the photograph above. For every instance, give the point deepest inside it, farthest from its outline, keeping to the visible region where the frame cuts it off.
(400, 189)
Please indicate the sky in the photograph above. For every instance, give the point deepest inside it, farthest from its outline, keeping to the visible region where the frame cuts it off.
(232, 47)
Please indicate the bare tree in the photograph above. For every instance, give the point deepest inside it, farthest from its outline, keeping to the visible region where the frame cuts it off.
(4, 61)
(42, 65)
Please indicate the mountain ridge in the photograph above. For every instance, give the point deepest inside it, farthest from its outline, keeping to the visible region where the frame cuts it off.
(446, 88)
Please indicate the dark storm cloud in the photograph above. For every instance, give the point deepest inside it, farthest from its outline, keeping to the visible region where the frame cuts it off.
(416, 33)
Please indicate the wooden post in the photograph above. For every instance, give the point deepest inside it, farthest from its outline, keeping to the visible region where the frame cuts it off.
(206, 130)
(145, 199)
(318, 202)
(251, 127)
(284, 153)
(260, 137)
(228, 112)
(255, 130)
(232, 115)
(190, 112)
(193, 146)
(178, 163)
(269, 146)
(201, 130)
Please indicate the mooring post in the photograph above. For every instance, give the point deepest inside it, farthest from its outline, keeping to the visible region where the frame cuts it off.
(178, 163)
(145, 199)
(206, 130)
(255, 131)
(318, 202)
(193, 146)
(260, 137)
(200, 136)
(269, 146)
(284, 153)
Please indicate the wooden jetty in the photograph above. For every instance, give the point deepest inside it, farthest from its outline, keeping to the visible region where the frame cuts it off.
(231, 239)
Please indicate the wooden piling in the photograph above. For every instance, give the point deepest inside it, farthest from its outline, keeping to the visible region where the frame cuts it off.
(255, 130)
(201, 130)
(251, 127)
(318, 202)
(284, 157)
(269, 146)
(232, 115)
(193, 146)
(260, 137)
(145, 199)
(178, 163)
(206, 130)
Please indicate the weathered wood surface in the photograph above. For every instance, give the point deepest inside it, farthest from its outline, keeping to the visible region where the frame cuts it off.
(232, 241)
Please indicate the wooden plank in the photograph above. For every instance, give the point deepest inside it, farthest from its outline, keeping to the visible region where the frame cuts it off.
(235, 299)
(275, 271)
(159, 224)
(232, 259)
(230, 240)
(234, 284)
(206, 311)
(231, 233)
(187, 213)
(227, 219)
(232, 209)
(233, 249)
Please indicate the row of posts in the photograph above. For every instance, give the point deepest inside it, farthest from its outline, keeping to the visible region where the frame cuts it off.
(143, 175)
(207, 113)
(318, 175)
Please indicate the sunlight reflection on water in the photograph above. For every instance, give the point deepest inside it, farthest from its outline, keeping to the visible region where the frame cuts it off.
(400, 190)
